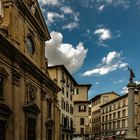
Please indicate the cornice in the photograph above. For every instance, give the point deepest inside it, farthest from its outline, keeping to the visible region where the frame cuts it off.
(26, 13)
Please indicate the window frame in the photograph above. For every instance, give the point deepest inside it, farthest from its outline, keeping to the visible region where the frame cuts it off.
(82, 108)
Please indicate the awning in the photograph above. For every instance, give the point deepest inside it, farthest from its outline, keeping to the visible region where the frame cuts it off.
(123, 132)
(118, 133)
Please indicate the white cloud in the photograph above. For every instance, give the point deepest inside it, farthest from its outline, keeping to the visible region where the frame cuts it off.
(110, 57)
(104, 34)
(58, 52)
(111, 62)
(51, 16)
(118, 82)
(70, 26)
(137, 82)
(101, 8)
(49, 2)
(66, 10)
(124, 90)
(113, 3)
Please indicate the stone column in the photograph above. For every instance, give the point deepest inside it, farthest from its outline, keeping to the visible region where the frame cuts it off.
(131, 110)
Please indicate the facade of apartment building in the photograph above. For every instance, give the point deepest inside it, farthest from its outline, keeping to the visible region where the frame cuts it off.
(96, 102)
(65, 81)
(81, 112)
(28, 103)
(114, 118)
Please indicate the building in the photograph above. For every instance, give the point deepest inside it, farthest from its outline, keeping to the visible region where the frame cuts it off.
(28, 96)
(138, 109)
(81, 112)
(66, 82)
(114, 118)
(96, 102)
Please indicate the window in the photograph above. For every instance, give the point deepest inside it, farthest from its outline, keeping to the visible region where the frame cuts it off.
(63, 104)
(63, 79)
(67, 94)
(110, 108)
(70, 97)
(82, 108)
(65, 121)
(31, 129)
(106, 118)
(110, 116)
(114, 115)
(109, 125)
(71, 123)
(114, 106)
(30, 45)
(124, 101)
(2, 130)
(82, 121)
(103, 111)
(103, 127)
(71, 109)
(123, 123)
(63, 90)
(1, 86)
(123, 113)
(114, 125)
(67, 106)
(118, 124)
(82, 130)
(50, 134)
(106, 126)
(49, 109)
(118, 114)
(77, 91)
(119, 104)
(103, 118)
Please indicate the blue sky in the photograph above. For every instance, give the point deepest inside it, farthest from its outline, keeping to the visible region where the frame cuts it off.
(96, 40)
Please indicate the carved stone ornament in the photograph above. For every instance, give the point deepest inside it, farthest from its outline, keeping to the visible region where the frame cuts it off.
(32, 92)
(16, 77)
(3, 72)
(33, 8)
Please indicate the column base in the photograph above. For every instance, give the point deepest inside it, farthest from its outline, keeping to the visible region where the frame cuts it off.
(131, 138)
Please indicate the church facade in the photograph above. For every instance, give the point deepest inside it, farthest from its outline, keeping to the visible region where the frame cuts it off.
(28, 96)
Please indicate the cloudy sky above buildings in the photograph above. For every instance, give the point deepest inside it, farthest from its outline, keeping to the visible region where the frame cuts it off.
(96, 40)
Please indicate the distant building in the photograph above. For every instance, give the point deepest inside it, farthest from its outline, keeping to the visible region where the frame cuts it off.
(114, 118)
(28, 103)
(81, 112)
(66, 82)
(96, 102)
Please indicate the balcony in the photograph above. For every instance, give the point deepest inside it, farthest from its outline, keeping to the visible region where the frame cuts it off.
(69, 129)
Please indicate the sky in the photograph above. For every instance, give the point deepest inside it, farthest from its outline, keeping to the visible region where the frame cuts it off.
(96, 40)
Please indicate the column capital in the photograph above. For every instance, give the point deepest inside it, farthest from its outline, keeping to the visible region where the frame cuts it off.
(131, 85)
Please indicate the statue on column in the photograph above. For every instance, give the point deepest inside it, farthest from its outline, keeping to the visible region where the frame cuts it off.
(132, 75)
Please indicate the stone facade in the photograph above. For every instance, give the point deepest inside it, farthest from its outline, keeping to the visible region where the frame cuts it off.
(114, 118)
(28, 97)
(65, 81)
(96, 102)
(81, 112)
